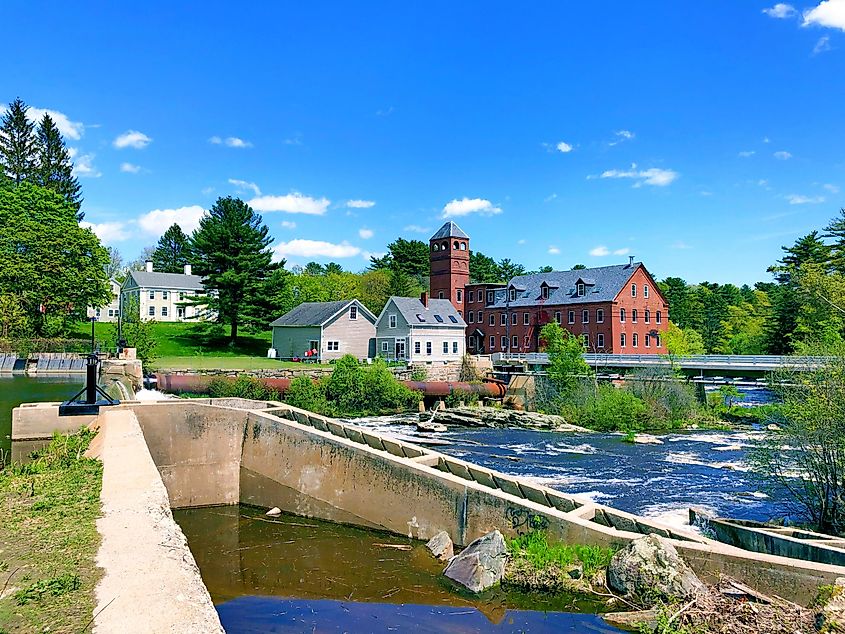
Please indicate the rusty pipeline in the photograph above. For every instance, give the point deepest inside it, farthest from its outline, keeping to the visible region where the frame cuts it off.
(200, 383)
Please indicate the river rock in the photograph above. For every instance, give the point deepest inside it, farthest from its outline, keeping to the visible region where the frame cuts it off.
(441, 546)
(495, 417)
(772, 427)
(481, 564)
(646, 439)
(430, 427)
(632, 621)
(273, 512)
(831, 617)
(650, 565)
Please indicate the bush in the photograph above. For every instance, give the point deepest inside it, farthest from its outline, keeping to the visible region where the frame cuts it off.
(308, 394)
(419, 373)
(614, 410)
(456, 397)
(668, 401)
(356, 390)
(244, 386)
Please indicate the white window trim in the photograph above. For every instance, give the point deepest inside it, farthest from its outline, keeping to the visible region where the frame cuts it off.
(599, 315)
(391, 321)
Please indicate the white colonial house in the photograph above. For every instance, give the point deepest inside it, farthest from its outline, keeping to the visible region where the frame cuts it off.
(162, 296)
(110, 311)
(420, 330)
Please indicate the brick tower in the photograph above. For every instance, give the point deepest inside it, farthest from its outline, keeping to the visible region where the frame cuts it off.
(449, 258)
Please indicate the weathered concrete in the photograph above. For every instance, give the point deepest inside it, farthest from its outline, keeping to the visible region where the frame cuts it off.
(276, 455)
(150, 582)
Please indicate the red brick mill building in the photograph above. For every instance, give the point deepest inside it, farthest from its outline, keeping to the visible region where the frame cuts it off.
(615, 309)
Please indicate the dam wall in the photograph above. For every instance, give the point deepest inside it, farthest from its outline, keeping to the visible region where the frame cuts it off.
(225, 451)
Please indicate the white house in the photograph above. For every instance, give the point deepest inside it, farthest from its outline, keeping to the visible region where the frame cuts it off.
(420, 330)
(110, 311)
(161, 296)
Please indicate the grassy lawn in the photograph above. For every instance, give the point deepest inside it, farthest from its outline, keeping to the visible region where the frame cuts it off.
(213, 362)
(48, 539)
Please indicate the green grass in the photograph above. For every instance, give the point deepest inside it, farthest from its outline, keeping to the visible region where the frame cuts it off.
(535, 549)
(212, 362)
(49, 539)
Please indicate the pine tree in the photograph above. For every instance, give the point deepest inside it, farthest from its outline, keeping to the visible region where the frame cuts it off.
(836, 231)
(18, 152)
(230, 250)
(171, 252)
(54, 169)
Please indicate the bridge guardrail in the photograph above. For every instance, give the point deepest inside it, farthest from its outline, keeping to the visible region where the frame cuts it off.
(703, 361)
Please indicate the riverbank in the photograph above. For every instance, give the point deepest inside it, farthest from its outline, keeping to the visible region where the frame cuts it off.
(49, 539)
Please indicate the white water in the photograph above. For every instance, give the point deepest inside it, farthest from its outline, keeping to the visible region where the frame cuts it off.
(151, 395)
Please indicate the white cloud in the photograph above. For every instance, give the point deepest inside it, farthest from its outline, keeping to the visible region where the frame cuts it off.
(230, 141)
(207, 190)
(366, 234)
(521, 241)
(108, 232)
(83, 164)
(130, 168)
(834, 189)
(829, 13)
(157, 221)
(287, 224)
(360, 204)
(373, 254)
(747, 153)
(466, 206)
(549, 198)
(242, 185)
(624, 251)
(563, 147)
(315, 248)
(385, 112)
(781, 11)
(294, 140)
(680, 244)
(69, 129)
(653, 176)
(797, 199)
(293, 203)
(822, 45)
(416, 229)
(554, 250)
(782, 155)
(600, 251)
(622, 136)
(132, 138)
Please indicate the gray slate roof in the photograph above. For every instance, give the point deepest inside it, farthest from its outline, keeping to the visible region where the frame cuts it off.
(410, 307)
(167, 280)
(605, 282)
(316, 313)
(449, 230)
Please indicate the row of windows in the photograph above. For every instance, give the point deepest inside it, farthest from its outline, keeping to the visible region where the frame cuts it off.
(333, 346)
(635, 340)
(385, 347)
(113, 312)
(166, 294)
(515, 341)
(581, 291)
(151, 311)
(478, 317)
(444, 246)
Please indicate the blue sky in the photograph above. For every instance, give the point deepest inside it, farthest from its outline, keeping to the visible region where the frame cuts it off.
(699, 137)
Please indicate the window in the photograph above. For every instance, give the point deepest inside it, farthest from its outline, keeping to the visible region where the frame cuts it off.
(164, 311)
(152, 311)
(557, 316)
(599, 315)
(585, 339)
(180, 313)
(600, 340)
(416, 347)
(420, 318)
(112, 312)
(181, 296)
(658, 317)
(333, 346)
(152, 294)
(463, 246)
(471, 317)
(492, 319)
(460, 295)
(164, 294)
(513, 294)
(580, 289)
(353, 312)
(470, 297)
(647, 341)
(514, 319)
(504, 319)
(633, 315)
(526, 319)
(384, 346)
(622, 340)
(454, 347)
(544, 292)
(621, 314)
(633, 290)
(647, 316)
(571, 317)
(634, 340)
(456, 245)
(645, 291)
(585, 316)
(514, 342)
(489, 297)
(656, 340)
(445, 347)
(480, 318)
(440, 295)
(445, 246)
(504, 343)
(454, 319)
(98, 313)
(391, 321)
(438, 319)
(428, 347)
(492, 342)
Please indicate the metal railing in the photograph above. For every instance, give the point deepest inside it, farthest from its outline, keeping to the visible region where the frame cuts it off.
(762, 362)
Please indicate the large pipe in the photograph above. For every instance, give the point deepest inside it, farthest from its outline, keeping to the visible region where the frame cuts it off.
(199, 384)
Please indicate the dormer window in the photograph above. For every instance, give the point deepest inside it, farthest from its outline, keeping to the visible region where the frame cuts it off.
(512, 294)
(544, 292)
(580, 289)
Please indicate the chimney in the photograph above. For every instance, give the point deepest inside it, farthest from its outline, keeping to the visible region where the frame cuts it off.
(424, 299)
(187, 269)
(630, 260)
(149, 266)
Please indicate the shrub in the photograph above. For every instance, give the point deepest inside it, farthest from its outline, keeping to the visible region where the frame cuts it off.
(244, 386)
(614, 410)
(667, 400)
(307, 394)
(456, 397)
(419, 373)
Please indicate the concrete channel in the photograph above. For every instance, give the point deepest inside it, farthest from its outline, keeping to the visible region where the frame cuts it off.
(201, 452)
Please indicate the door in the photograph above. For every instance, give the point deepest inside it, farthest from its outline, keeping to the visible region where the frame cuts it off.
(400, 348)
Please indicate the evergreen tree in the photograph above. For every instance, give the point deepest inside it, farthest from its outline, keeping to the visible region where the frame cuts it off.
(509, 270)
(230, 250)
(54, 169)
(482, 268)
(835, 230)
(18, 152)
(171, 252)
(410, 257)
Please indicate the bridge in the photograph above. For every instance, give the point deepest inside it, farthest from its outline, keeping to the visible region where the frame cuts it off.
(705, 364)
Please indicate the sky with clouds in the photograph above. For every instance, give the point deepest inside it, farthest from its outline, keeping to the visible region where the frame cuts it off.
(698, 137)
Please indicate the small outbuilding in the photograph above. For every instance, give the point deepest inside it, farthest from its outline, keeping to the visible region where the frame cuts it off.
(420, 330)
(333, 329)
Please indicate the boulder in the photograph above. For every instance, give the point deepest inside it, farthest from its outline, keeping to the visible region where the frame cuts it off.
(646, 439)
(650, 567)
(831, 616)
(495, 417)
(441, 546)
(274, 512)
(430, 427)
(481, 564)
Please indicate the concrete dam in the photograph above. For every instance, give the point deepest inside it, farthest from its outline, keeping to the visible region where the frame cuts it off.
(187, 453)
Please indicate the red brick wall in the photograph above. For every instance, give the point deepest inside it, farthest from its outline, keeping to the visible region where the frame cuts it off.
(449, 271)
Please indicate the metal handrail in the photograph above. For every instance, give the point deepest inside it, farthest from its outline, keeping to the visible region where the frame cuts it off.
(766, 361)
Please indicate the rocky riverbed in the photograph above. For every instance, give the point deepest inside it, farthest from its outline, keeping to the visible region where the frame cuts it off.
(496, 417)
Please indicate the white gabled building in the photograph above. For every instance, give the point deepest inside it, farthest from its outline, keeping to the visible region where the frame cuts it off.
(162, 296)
(110, 311)
(420, 330)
